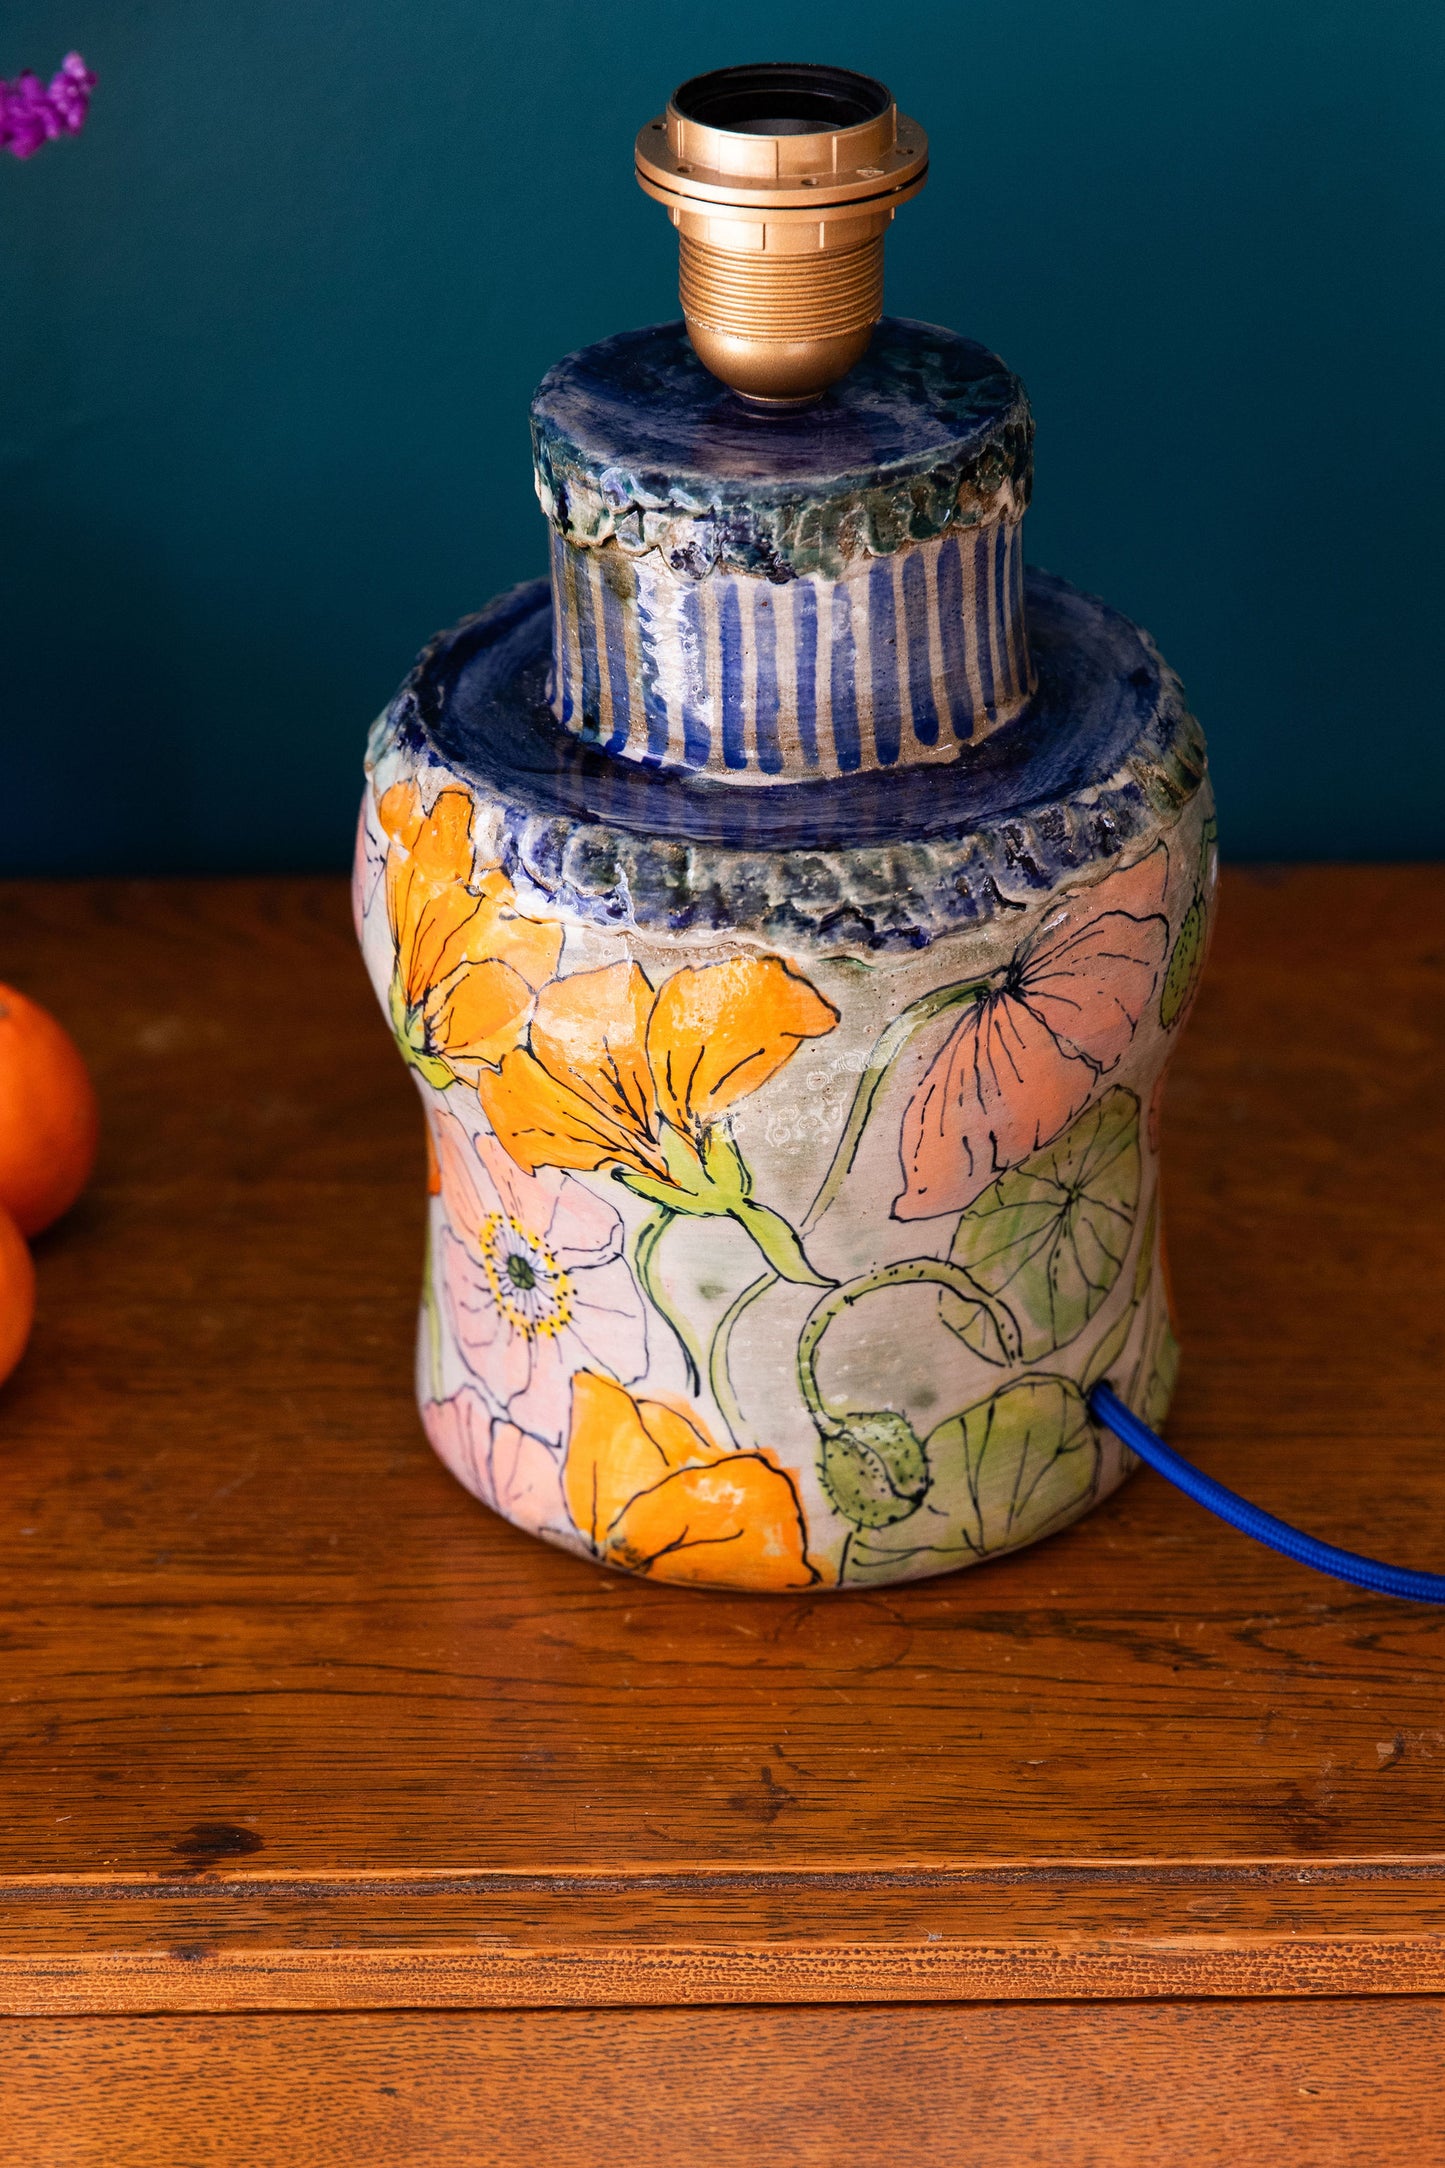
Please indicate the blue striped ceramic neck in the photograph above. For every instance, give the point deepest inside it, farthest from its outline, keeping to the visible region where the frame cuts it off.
(767, 599)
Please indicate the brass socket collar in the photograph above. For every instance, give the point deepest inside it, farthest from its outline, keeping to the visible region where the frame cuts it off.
(781, 180)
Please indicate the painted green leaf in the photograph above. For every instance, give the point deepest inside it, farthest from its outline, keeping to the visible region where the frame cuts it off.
(874, 1469)
(1162, 1358)
(1144, 1262)
(1109, 1349)
(1019, 1463)
(1186, 961)
(1049, 1238)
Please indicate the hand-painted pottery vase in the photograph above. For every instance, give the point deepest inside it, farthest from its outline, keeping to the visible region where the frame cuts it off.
(787, 914)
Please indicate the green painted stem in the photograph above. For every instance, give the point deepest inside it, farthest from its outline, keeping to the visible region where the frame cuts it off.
(911, 1271)
(719, 1370)
(646, 1244)
(893, 1042)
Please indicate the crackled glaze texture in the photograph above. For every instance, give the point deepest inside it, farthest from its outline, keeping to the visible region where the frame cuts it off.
(793, 1148)
(770, 598)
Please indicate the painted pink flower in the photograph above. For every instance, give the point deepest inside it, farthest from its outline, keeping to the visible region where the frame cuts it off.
(514, 1473)
(534, 1279)
(1030, 1049)
(32, 112)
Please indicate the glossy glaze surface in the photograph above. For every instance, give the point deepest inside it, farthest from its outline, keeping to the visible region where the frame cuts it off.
(768, 598)
(766, 1255)
(634, 442)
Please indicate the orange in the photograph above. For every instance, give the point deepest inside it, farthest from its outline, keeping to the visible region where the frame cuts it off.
(17, 1294)
(48, 1118)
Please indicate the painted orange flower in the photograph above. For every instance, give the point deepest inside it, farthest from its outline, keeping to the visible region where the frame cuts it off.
(1030, 1049)
(651, 1492)
(615, 1074)
(468, 962)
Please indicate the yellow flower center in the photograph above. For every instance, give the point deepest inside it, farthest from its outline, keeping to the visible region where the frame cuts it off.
(528, 1286)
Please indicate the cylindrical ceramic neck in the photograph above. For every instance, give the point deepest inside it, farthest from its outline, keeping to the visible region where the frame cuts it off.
(904, 659)
(769, 600)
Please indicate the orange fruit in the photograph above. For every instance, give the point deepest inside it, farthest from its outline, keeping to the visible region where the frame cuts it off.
(48, 1117)
(17, 1294)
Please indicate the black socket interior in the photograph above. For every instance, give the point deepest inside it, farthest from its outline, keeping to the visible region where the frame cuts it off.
(780, 97)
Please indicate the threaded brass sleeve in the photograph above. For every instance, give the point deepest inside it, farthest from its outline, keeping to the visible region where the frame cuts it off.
(761, 296)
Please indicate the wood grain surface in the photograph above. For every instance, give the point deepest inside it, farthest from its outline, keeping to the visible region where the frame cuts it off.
(1210, 2085)
(289, 1720)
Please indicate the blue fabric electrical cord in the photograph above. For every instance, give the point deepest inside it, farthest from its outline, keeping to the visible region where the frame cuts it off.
(1109, 1409)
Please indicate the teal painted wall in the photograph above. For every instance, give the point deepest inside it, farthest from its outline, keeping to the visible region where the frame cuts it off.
(269, 327)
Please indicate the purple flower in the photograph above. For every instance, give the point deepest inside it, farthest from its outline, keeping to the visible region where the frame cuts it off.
(31, 113)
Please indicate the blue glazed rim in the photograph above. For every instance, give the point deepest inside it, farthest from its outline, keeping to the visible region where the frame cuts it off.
(1107, 711)
(921, 435)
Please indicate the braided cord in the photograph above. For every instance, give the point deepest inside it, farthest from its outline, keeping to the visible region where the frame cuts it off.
(1108, 1409)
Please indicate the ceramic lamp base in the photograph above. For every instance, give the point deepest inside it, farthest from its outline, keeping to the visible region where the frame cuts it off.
(795, 1160)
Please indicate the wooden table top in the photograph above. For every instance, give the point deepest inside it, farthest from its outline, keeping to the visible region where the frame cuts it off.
(290, 1722)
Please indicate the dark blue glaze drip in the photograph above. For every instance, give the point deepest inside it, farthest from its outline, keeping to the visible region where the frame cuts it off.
(920, 665)
(981, 576)
(883, 642)
(730, 642)
(950, 612)
(1004, 669)
(806, 634)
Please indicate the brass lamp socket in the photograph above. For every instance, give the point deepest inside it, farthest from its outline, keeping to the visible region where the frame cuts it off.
(781, 181)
